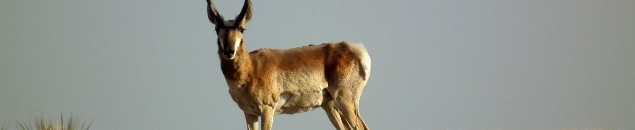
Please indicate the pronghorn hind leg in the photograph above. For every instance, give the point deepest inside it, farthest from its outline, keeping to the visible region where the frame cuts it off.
(360, 116)
(346, 124)
(346, 88)
(349, 111)
(347, 102)
(334, 115)
(349, 116)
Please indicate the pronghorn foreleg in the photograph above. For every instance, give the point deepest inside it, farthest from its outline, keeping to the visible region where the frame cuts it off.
(252, 121)
(266, 119)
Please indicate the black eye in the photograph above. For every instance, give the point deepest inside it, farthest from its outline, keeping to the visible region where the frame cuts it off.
(242, 30)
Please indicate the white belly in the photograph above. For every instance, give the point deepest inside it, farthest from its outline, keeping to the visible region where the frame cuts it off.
(301, 92)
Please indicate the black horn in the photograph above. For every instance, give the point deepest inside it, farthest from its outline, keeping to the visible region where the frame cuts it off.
(213, 14)
(245, 14)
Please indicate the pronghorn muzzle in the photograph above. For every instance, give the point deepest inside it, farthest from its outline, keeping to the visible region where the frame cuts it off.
(229, 53)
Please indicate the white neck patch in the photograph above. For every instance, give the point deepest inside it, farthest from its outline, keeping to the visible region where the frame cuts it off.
(236, 45)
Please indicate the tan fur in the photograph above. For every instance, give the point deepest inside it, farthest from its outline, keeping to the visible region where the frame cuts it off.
(267, 82)
(299, 79)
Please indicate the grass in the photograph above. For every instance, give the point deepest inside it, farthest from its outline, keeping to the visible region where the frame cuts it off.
(40, 123)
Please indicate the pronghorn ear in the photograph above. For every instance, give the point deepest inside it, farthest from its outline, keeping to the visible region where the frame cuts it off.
(245, 14)
(213, 14)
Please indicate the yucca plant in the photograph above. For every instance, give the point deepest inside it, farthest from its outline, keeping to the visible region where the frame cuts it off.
(43, 124)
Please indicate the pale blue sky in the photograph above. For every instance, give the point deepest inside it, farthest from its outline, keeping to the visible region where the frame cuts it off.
(462, 64)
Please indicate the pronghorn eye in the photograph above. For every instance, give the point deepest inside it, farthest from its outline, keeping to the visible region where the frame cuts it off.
(242, 30)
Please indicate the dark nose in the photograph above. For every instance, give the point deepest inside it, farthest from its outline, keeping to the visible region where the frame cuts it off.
(228, 52)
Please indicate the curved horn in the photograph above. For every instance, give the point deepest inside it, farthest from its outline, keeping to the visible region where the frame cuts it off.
(245, 14)
(213, 14)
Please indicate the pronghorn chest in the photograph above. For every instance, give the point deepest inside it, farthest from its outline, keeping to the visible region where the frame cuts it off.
(250, 97)
(245, 101)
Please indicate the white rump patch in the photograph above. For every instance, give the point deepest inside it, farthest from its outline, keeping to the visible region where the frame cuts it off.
(361, 52)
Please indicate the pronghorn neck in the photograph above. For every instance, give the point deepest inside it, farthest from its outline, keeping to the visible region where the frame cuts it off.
(237, 70)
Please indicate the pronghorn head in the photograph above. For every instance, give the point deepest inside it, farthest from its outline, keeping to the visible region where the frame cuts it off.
(230, 32)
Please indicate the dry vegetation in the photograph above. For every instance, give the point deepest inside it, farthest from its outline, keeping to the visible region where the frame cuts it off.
(40, 123)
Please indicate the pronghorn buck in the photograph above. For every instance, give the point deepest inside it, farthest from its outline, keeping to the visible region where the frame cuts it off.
(267, 82)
